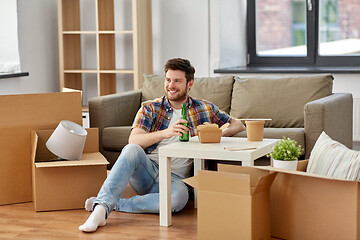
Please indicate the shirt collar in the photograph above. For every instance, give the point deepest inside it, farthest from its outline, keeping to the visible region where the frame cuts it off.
(166, 103)
(190, 101)
(168, 106)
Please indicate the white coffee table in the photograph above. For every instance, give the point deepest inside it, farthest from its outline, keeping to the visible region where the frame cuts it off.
(200, 151)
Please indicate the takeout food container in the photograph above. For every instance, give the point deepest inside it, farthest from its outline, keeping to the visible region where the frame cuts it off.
(255, 130)
(209, 133)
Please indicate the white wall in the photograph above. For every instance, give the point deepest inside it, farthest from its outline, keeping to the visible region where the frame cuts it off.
(347, 83)
(38, 46)
(180, 29)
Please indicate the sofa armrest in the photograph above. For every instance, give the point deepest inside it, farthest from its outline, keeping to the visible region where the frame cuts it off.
(114, 110)
(332, 114)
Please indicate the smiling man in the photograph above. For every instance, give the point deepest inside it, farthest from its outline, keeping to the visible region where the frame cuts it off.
(156, 124)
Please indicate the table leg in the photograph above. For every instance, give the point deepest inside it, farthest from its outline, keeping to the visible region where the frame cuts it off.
(165, 191)
(198, 165)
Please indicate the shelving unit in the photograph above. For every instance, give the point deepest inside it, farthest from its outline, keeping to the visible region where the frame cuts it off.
(98, 43)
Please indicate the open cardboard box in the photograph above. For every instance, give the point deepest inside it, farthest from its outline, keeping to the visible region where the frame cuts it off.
(20, 114)
(309, 206)
(233, 202)
(63, 184)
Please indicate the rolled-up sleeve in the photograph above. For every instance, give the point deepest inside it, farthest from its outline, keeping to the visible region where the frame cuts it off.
(144, 117)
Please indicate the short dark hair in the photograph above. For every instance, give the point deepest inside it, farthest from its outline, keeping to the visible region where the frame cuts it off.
(182, 65)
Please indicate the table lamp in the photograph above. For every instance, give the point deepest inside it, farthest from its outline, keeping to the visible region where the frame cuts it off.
(67, 141)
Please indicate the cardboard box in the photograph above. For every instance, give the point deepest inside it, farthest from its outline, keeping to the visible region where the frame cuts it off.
(63, 184)
(308, 206)
(20, 114)
(233, 203)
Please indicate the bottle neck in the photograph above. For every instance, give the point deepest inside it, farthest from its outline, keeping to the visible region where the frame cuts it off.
(183, 112)
(183, 109)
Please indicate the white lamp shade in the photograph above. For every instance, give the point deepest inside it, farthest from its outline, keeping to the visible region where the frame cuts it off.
(67, 141)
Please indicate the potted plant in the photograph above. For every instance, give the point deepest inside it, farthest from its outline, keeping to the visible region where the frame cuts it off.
(285, 154)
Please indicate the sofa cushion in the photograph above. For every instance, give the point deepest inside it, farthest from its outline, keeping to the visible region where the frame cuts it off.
(153, 87)
(115, 138)
(281, 99)
(214, 89)
(296, 134)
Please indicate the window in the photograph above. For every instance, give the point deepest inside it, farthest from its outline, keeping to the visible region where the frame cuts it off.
(9, 51)
(303, 32)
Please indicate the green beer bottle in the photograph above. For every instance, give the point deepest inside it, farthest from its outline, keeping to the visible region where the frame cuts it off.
(184, 136)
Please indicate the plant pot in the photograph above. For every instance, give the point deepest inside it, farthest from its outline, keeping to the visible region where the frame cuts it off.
(255, 130)
(289, 165)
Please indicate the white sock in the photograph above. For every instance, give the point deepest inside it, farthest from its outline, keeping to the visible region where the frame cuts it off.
(95, 220)
(89, 203)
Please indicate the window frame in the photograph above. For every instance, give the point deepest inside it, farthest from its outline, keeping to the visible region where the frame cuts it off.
(10, 56)
(312, 58)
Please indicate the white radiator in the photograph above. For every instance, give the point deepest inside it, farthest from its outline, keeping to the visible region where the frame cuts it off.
(356, 120)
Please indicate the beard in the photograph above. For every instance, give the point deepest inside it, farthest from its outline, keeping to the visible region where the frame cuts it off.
(176, 94)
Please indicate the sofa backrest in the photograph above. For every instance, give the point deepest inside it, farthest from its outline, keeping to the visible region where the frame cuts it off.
(281, 99)
(214, 89)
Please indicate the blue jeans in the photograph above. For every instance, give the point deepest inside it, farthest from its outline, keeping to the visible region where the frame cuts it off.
(134, 167)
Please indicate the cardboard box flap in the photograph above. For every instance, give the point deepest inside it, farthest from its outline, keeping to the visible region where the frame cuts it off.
(87, 159)
(302, 165)
(222, 182)
(34, 143)
(264, 183)
(255, 173)
(192, 181)
(39, 150)
(92, 140)
(301, 173)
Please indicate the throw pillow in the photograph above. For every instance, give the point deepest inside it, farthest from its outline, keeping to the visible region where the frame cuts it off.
(331, 158)
(153, 87)
(214, 89)
(281, 99)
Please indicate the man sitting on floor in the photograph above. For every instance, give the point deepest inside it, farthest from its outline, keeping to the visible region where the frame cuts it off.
(156, 124)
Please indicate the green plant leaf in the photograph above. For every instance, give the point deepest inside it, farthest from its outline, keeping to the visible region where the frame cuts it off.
(287, 150)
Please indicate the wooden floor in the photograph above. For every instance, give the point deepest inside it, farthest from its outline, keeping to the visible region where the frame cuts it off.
(20, 221)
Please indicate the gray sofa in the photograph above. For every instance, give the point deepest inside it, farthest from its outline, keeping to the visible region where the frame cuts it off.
(300, 108)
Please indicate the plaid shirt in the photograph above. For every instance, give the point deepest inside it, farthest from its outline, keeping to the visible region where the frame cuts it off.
(155, 115)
